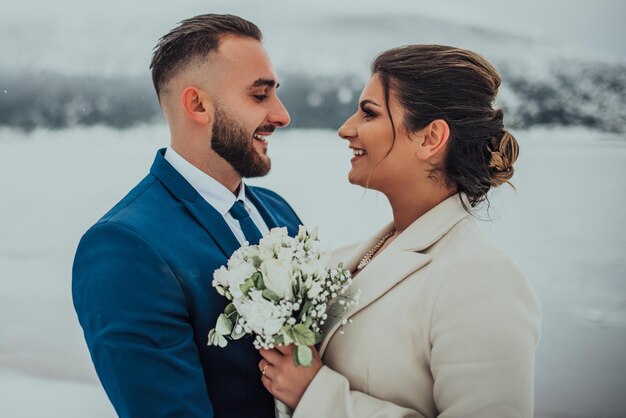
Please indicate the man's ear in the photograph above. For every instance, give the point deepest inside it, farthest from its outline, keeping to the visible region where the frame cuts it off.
(197, 105)
(435, 137)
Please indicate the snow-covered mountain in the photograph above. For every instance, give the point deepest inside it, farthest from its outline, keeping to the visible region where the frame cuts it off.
(94, 71)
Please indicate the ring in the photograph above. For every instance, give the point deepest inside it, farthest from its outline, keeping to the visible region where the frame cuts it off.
(264, 369)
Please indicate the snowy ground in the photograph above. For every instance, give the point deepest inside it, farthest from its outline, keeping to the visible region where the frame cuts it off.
(564, 226)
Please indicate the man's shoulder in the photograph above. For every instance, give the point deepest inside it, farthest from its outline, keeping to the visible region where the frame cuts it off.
(143, 208)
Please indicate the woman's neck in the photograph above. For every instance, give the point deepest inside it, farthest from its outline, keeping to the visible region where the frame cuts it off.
(407, 205)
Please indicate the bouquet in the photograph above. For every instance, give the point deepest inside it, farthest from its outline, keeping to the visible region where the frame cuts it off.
(280, 291)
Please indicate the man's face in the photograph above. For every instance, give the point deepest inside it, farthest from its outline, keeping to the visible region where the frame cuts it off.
(246, 107)
(231, 141)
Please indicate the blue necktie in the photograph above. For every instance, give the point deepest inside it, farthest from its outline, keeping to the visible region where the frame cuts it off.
(250, 230)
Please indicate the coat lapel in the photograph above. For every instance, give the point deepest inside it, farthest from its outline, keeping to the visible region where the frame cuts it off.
(209, 218)
(382, 274)
(398, 261)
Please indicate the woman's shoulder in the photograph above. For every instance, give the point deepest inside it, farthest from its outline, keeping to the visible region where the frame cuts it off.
(466, 241)
(467, 257)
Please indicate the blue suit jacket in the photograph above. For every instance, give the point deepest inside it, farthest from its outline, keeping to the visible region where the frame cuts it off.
(142, 291)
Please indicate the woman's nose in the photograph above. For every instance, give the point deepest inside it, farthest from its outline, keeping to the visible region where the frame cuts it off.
(346, 131)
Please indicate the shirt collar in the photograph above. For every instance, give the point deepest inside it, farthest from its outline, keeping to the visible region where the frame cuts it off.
(211, 190)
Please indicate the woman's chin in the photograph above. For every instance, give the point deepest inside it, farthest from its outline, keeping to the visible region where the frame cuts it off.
(355, 179)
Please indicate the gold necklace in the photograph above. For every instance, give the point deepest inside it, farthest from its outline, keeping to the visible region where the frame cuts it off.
(367, 258)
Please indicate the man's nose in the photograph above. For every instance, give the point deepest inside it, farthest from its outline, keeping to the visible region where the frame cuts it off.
(279, 116)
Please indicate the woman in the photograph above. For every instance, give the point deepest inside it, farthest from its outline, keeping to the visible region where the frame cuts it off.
(446, 325)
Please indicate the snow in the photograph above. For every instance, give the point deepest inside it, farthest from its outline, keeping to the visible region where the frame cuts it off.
(564, 225)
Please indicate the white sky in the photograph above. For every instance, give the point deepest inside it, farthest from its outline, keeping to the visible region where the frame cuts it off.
(68, 34)
(591, 24)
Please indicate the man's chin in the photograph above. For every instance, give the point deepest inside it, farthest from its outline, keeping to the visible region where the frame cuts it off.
(258, 168)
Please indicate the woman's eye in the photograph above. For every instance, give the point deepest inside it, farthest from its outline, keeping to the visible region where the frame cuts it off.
(368, 114)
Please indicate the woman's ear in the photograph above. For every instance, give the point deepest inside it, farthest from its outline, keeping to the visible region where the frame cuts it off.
(434, 138)
(197, 105)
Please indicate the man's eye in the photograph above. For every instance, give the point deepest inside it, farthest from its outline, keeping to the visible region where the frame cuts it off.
(260, 97)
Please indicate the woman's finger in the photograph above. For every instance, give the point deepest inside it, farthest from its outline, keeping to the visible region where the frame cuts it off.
(272, 356)
(262, 364)
(285, 349)
(267, 384)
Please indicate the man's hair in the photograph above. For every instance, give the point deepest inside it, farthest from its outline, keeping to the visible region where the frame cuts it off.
(192, 41)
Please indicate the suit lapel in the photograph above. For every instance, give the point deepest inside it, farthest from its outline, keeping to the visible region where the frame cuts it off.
(266, 214)
(213, 222)
(399, 260)
(209, 218)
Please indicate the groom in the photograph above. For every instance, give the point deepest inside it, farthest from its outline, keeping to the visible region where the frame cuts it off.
(142, 274)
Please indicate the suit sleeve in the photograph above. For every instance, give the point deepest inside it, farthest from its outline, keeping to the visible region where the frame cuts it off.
(484, 331)
(136, 325)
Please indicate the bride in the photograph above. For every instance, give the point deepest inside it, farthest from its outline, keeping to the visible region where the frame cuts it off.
(446, 324)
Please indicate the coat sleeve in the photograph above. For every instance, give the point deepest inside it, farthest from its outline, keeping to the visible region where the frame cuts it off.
(484, 330)
(329, 395)
(134, 317)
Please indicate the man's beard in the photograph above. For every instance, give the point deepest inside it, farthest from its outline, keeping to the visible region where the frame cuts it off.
(231, 142)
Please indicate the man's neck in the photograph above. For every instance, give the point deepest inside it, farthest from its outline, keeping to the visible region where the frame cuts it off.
(212, 165)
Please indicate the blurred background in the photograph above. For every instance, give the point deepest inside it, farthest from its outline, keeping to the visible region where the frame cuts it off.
(80, 124)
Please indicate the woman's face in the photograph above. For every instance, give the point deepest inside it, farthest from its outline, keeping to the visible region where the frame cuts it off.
(376, 164)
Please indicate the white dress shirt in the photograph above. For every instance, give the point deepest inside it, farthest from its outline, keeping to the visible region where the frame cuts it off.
(216, 194)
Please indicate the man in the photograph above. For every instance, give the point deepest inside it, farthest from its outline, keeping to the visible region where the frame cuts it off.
(142, 274)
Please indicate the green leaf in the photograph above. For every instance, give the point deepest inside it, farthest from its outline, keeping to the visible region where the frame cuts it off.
(303, 335)
(305, 309)
(308, 322)
(295, 358)
(287, 334)
(221, 341)
(258, 280)
(224, 325)
(230, 310)
(212, 340)
(237, 335)
(304, 355)
(269, 295)
(246, 286)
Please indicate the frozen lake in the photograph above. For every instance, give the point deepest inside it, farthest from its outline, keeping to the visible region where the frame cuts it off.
(564, 225)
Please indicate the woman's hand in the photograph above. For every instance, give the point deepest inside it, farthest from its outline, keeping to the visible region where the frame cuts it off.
(282, 378)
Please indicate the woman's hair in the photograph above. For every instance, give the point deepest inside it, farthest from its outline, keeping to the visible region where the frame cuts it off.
(440, 82)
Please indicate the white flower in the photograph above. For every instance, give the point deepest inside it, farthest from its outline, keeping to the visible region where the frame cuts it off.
(261, 315)
(250, 251)
(277, 277)
(233, 278)
(271, 242)
(321, 251)
(285, 254)
(220, 277)
(301, 233)
(314, 268)
(284, 263)
(237, 258)
(315, 290)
